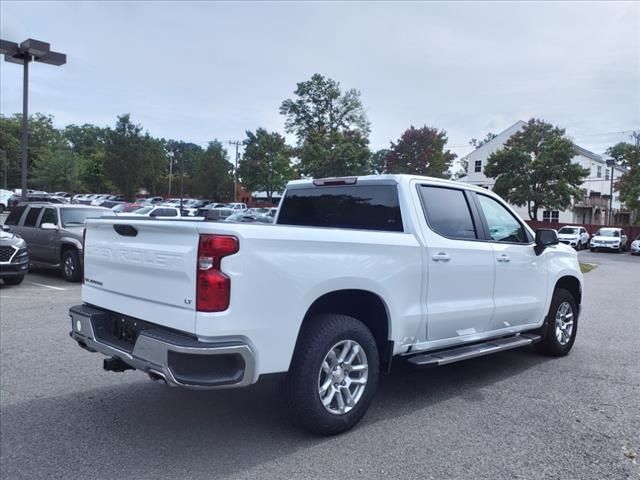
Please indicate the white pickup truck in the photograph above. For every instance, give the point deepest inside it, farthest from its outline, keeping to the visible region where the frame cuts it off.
(355, 272)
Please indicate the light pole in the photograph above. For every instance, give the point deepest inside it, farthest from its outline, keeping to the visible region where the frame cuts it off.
(237, 143)
(611, 163)
(170, 154)
(27, 51)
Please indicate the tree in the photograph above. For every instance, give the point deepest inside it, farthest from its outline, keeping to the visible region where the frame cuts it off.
(622, 152)
(478, 143)
(213, 173)
(128, 155)
(378, 161)
(331, 128)
(421, 151)
(629, 183)
(534, 168)
(266, 162)
(56, 170)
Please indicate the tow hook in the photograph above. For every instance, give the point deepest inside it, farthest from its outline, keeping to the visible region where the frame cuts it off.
(115, 364)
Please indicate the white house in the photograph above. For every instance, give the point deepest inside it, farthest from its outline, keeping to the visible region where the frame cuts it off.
(592, 208)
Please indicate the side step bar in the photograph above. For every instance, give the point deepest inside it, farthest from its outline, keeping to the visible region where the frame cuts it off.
(444, 357)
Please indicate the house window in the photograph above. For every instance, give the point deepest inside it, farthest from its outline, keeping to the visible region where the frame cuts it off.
(551, 216)
(478, 166)
(599, 174)
(606, 174)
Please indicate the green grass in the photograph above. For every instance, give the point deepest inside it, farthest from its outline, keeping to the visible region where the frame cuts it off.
(587, 267)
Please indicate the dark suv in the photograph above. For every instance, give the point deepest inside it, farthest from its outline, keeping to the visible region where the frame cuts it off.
(54, 234)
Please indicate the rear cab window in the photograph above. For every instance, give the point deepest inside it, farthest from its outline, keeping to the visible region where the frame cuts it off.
(447, 212)
(351, 206)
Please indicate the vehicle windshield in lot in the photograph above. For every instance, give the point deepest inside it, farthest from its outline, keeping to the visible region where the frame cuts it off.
(607, 232)
(568, 230)
(78, 216)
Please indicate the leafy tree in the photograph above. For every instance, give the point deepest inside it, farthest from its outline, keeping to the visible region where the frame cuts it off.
(621, 152)
(10, 128)
(213, 173)
(421, 151)
(534, 168)
(331, 128)
(378, 161)
(56, 170)
(629, 183)
(266, 162)
(474, 142)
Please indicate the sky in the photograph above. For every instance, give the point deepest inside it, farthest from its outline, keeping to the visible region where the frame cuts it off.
(198, 71)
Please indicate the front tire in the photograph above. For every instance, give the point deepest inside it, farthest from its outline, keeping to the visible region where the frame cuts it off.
(561, 325)
(333, 375)
(13, 280)
(71, 268)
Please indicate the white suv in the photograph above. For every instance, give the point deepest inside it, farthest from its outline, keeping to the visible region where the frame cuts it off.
(609, 238)
(577, 237)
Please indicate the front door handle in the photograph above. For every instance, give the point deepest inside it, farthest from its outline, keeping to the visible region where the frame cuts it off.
(440, 257)
(503, 257)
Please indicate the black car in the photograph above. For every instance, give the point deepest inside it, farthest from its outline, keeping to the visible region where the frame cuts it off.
(31, 198)
(111, 201)
(14, 260)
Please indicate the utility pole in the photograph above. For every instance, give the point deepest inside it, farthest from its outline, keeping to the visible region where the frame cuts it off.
(237, 143)
(611, 163)
(170, 154)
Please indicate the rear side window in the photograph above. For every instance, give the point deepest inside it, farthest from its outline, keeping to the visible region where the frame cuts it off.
(448, 212)
(14, 216)
(32, 216)
(366, 207)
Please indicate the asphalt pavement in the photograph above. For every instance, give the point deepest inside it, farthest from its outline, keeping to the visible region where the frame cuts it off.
(514, 415)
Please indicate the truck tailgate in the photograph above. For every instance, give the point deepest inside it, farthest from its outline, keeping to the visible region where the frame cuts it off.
(145, 269)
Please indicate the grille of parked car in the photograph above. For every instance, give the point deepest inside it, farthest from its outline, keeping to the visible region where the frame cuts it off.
(6, 252)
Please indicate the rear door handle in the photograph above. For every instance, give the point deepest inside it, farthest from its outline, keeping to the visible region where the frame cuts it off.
(503, 257)
(440, 257)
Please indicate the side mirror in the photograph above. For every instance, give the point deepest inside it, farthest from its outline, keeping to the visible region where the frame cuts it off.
(545, 237)
(5, 228)
(48, 226)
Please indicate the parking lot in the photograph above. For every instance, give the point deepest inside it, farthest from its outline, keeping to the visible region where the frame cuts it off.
(511, 415)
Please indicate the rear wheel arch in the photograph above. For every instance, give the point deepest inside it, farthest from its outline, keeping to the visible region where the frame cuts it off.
(363, 305)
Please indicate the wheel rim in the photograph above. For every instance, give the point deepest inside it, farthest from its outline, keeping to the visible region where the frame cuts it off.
(343, 377)
(69, 266)
(564, 323)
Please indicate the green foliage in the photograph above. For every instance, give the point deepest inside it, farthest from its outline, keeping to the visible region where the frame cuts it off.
(421, 151)
(378, 161)
(622, 152)
(331, 128)
(213, 174)
(534, 169)
(56, 170)
(474, 142)
(629, 183)
(10, 151)
(266, 162)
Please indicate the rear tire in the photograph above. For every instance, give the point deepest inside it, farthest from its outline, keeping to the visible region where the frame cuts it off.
(328, 389)
(561, 325)
(13, 280)
(71, 268)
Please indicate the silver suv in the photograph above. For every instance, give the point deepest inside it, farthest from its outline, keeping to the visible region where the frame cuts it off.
(54, 234)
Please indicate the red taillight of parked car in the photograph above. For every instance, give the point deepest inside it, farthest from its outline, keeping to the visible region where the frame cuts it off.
(213, 288)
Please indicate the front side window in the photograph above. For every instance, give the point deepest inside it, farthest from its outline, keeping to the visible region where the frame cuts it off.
(366, 207)
(49, 216)
(503, 226)
(32, 216)
(447, 212)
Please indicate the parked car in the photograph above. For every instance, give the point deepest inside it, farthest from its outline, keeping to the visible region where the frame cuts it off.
(154, 211)
(5, 195)
(16, 198)
(575, 236)
(85, 199)
(53, 233)
(358, 272)
(215, 214)
(109, 201)
(241, 218)
(609, 238)
(14, 259)
(635, 246)
(63, 195)
(237, 206)
(194, 206)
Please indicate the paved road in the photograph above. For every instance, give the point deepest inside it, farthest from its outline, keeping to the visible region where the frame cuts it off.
(514, 415)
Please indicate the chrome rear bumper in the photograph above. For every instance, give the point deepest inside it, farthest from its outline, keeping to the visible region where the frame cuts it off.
(180, 360)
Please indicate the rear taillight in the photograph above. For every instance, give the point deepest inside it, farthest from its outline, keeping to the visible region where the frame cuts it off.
(213, 288)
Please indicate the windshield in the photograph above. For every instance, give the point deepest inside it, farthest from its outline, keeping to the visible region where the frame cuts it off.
(77, 216)
(608, 233)
(568, 230)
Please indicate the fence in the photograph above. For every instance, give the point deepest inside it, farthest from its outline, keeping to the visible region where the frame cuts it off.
(632, 231)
